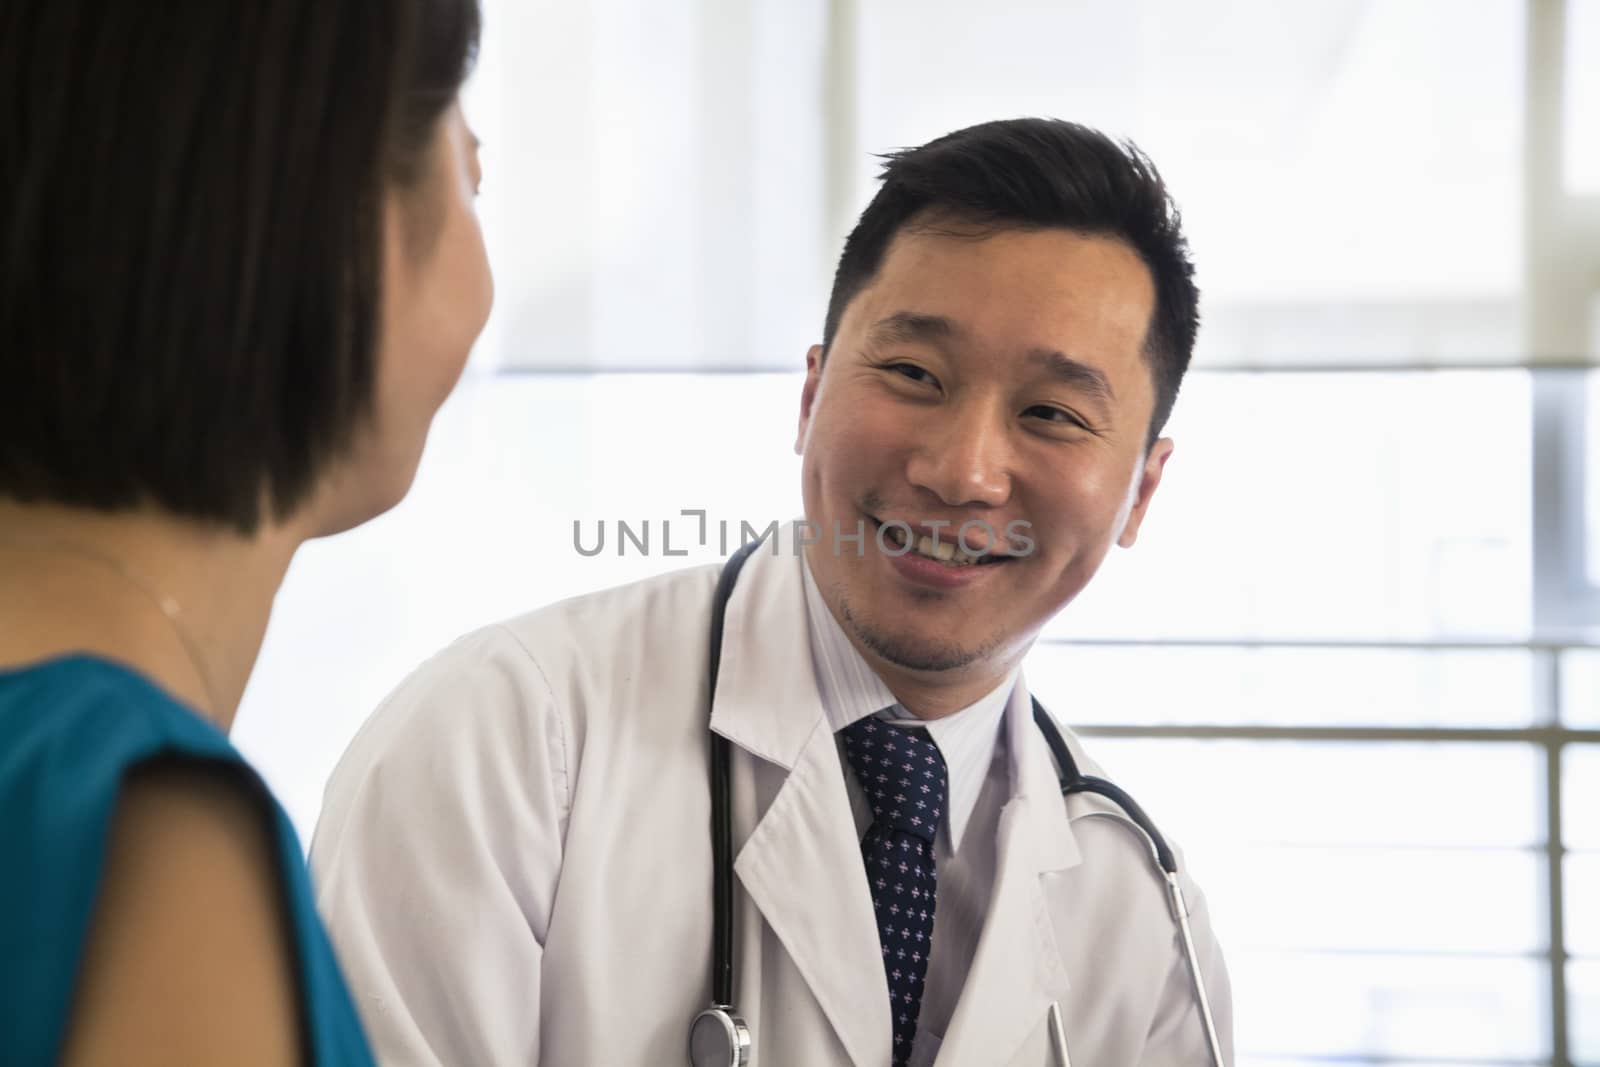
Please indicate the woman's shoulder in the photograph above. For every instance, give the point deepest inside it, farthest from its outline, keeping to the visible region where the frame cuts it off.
(72, 729)
(92, 716)
(152, 868)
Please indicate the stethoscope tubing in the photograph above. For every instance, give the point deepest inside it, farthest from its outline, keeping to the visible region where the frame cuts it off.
(721, 816)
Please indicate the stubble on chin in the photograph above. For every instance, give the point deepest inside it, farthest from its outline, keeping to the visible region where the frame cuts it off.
(908, 652)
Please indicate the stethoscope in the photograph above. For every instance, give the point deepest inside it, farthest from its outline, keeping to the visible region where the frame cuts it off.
(719, 1037)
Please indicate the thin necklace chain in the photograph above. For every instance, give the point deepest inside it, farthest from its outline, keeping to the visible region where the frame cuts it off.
(169, 607)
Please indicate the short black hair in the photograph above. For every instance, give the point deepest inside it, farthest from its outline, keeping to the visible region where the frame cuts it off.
(190, 252)
(1036, 173)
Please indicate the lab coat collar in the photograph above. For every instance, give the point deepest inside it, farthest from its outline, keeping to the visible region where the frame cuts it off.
(1017, 971)
(767, 701)
(802, 868)
(1036, 785)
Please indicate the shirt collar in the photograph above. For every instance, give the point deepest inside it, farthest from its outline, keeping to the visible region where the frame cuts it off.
(851, 690)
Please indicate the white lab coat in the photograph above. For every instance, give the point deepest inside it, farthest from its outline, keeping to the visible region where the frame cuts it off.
(515, 864)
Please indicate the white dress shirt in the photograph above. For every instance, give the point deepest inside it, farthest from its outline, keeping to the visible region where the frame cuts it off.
(972, 743)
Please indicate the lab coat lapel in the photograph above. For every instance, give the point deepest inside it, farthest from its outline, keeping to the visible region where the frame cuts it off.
(801, 865)
(1017, 971)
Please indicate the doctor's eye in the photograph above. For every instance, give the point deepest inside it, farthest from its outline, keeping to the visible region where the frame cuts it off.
(912, 372)
(1057, 416)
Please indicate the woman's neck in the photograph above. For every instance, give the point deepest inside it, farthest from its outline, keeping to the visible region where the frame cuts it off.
(184, 603)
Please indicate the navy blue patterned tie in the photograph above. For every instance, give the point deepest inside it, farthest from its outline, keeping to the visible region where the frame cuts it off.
(903, 776)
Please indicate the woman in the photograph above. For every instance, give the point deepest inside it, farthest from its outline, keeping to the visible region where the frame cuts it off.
(240, 270)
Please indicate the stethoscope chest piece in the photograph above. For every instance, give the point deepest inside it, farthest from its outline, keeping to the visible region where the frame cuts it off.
(718, 1038)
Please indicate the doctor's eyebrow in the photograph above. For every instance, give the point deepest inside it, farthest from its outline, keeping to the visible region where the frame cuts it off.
(905, 327)
(1074, 372)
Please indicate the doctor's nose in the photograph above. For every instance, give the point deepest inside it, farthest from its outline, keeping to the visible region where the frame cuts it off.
(967, 461)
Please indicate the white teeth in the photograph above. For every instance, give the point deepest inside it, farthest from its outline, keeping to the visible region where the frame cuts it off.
(944, 551)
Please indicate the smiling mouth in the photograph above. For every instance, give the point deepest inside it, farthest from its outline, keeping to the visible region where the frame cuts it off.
(948, 552)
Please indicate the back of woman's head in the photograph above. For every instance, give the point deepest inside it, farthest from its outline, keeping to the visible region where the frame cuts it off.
(192, 198)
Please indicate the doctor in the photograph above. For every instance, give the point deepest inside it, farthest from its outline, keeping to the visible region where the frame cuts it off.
(515, 856)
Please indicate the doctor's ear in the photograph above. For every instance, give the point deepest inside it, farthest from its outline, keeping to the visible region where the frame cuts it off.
(808, 395)
(1155, 462)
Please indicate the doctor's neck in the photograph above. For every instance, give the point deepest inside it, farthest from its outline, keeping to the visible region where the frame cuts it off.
(182, 602)
(930, 690)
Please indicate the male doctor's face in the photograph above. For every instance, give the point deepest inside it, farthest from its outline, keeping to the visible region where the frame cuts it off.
(995, 377)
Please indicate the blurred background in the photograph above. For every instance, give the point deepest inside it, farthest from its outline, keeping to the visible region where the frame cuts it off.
(1353, 664)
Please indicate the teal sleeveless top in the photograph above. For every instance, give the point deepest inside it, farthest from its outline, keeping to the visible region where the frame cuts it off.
(70, 730)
